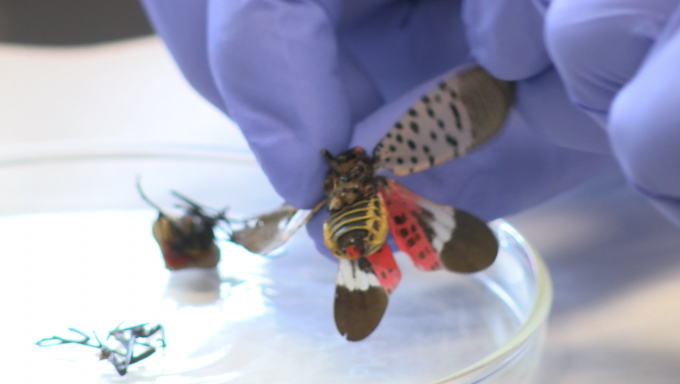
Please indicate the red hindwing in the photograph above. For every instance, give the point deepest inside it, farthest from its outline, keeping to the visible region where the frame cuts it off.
(408, 233)
(385, 268)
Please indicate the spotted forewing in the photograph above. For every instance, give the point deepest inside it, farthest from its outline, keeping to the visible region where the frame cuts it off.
(463, 111)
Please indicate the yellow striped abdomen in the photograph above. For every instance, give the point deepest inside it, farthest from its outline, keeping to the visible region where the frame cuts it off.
(362, 225)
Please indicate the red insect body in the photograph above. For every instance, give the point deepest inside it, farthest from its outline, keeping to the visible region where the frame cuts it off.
(407, 232)
(173, 261)
(352, 252)
(385, 268)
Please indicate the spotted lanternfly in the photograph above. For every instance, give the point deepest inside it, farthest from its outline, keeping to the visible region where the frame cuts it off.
(187, 241)
(460, 113)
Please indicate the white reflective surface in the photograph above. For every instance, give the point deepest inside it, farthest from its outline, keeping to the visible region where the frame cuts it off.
(252, 320)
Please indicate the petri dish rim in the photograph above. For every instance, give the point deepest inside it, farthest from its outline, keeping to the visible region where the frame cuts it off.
(527, 332)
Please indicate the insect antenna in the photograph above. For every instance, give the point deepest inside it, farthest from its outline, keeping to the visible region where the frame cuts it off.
(199, 209)
(145, 198)
(218, 216)
(329, 158)
(172, 223)
(185, 199)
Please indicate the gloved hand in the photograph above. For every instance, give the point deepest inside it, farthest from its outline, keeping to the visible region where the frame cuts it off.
(301, 76)
(620, 60)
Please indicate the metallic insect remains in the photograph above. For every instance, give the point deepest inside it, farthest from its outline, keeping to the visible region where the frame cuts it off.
(187, 241)
(134, 344)
(460, 113)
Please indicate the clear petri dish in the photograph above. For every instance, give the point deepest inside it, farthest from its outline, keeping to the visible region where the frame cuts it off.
(82, 256)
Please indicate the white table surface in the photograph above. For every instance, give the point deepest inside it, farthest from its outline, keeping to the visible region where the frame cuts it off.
(613, 258)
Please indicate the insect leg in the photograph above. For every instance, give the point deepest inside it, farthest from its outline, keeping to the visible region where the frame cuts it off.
(58, 340)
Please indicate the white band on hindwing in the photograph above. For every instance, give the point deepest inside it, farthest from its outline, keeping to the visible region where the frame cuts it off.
(353, 278)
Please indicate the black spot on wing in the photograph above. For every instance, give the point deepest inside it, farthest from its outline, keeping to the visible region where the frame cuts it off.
(472, 247)
(357, 313)
(424, 218)
(456, 115)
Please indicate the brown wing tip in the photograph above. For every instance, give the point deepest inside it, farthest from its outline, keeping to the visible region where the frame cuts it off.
(472, 248)
(358, 312)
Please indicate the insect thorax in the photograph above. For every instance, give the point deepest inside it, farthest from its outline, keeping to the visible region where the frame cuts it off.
(350, 179)
(362, 226)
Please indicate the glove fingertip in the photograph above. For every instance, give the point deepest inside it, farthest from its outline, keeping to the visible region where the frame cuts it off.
(506, 38)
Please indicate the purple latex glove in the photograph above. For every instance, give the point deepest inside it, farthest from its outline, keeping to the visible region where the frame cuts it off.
(300, 76)
(620, 60)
